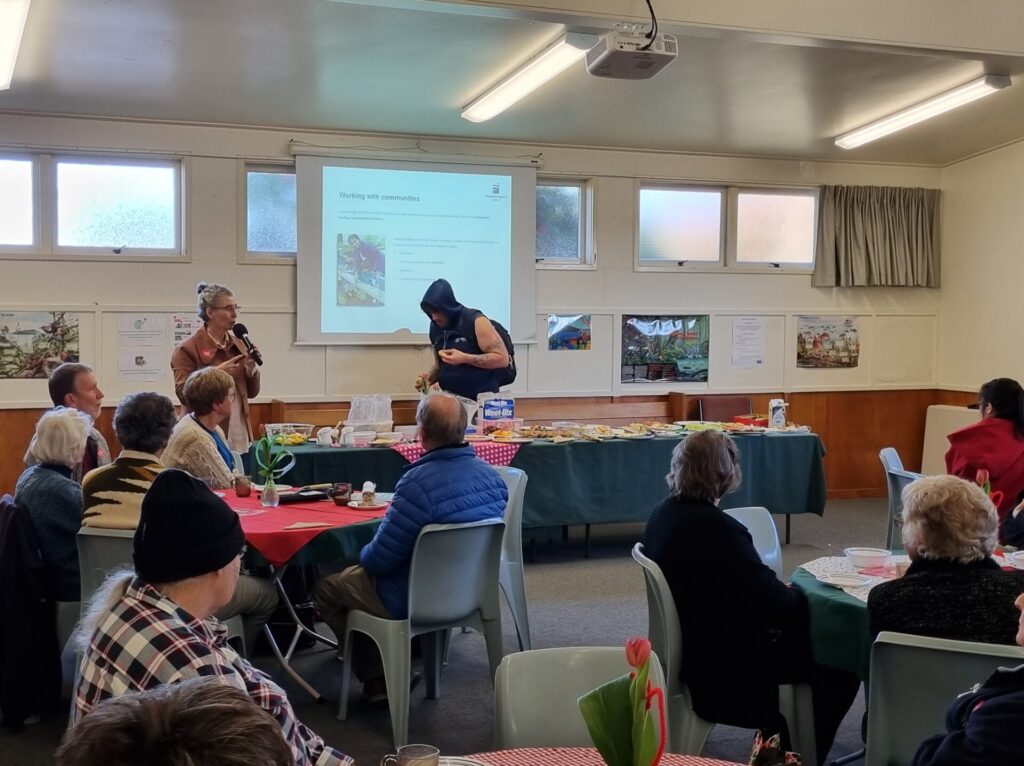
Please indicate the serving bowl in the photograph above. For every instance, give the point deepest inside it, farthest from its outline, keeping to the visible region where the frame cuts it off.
(289, 433)
(866, 558)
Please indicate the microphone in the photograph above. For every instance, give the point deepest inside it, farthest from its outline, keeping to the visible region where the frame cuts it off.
(242, 333)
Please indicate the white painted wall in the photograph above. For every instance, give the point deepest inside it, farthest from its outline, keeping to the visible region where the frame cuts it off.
(982, 311)
(891, 318)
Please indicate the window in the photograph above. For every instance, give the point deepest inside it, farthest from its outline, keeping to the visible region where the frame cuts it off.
(17, 208)
(562, 224)
(679, 226)
(776, 227)
(128, 207)
(270, 211)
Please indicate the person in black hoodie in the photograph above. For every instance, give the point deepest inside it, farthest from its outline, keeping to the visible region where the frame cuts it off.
(744, 631)
(468, 351)
(983, 725)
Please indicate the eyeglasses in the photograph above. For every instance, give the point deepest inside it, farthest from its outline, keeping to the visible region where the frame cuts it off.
(233, 395)
(233, 307)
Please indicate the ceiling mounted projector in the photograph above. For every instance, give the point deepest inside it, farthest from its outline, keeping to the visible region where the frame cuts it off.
(625, 55)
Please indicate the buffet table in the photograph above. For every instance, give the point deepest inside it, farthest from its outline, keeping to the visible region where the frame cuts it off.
(618, 480)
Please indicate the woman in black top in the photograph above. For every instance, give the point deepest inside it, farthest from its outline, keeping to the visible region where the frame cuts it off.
(744, 631)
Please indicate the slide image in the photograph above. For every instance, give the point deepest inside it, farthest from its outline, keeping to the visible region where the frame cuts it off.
(361, 270)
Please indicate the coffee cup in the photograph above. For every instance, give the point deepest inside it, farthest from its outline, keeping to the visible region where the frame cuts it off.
(342, 493)
(323, 437)
(413, 755)
(243, 486)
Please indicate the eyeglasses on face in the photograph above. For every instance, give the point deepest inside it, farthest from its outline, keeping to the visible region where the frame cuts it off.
(232, 307)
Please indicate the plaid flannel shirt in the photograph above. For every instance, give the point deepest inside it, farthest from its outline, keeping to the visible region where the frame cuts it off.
(147, 640)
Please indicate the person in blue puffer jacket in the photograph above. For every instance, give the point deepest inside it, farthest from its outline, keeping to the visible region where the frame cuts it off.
(448, 485)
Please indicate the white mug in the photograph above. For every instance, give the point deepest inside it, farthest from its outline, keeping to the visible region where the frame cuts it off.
(323, 437)
(413, 755)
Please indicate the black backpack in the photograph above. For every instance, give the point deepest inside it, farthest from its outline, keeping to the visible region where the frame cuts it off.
(507, 375)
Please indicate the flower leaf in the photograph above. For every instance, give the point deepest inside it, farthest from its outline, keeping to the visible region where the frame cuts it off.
(609, 717)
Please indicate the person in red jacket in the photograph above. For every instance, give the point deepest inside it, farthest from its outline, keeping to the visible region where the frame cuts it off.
(995, 443)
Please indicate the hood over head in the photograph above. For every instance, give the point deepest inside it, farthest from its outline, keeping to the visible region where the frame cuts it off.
(440, 296)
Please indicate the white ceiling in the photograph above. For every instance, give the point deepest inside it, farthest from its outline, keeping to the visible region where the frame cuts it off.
(409, 69)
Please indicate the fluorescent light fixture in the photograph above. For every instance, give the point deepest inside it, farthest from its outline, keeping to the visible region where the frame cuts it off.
(12, 23)
(933, 106)
(546, 65)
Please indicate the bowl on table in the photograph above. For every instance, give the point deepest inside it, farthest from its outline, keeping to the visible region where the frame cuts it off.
(867, 558)
(289, 434)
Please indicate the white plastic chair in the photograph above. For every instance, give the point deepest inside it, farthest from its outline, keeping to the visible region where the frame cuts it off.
(536, 693)
(761, 525)
(453, 582)
(102, 551)
(896, 478)
(512, 576)
(688, 732)
(914, 680)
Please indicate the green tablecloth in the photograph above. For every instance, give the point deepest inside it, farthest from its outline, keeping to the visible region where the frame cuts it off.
(840, 637)
(618, 480)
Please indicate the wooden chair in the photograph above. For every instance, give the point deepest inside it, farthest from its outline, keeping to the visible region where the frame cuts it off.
(723, 408)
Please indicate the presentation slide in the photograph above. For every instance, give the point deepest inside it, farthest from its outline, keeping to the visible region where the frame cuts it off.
(387, 234)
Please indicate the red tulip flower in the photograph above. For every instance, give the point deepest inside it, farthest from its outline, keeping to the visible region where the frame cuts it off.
(638, 651)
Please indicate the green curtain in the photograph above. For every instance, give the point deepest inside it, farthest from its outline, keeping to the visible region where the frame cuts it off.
(877, 235)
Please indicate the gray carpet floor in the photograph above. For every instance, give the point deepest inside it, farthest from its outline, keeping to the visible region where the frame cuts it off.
(574, 601)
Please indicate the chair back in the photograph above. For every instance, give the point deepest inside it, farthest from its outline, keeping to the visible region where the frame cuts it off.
(723, 408)
(914, 680)
(761, 525)
(662, 620)
(890, 459)
(101, 551)
(512, 544)
(454, 573)
(536, 693)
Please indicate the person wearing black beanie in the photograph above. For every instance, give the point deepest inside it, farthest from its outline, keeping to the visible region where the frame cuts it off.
(157, 626)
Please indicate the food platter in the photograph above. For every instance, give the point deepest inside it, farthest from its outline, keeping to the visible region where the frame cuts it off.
(844, 579)
(358, 505)
(512, 440)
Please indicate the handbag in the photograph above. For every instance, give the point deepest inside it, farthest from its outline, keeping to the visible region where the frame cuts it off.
(768, 751)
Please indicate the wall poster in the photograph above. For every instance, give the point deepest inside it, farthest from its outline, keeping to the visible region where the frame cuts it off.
(827, 342)
(568, 332)
(33, 343)
(665, 348)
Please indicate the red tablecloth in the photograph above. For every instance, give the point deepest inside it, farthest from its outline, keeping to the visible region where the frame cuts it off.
(272, 531)
(494, 453)
(576, 756)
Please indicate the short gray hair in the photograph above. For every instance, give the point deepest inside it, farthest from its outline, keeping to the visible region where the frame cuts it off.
(442, 419)
(209, 293)
(60, 437)
(705, 466)
(945, 517)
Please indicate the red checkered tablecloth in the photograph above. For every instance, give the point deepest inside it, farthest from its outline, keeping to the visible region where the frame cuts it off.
(493, 452)
(576, 756)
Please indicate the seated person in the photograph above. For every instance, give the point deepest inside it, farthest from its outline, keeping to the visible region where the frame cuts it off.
(114, 493)
(953, 588)
(995, 443)
(156, 626)
(197, 444)
(202, 722)
(74, 385)
(448, 485)
(744, 630)
(51, 498)
(1013, 525)
(984, 723)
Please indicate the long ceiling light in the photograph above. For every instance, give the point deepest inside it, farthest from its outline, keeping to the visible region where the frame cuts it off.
(546, 65)
(912, 115)
(12, 23)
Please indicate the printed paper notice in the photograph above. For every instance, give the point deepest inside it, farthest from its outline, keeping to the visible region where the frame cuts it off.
(140, 363)
(183, 326)
(748, 342)
(141, 330)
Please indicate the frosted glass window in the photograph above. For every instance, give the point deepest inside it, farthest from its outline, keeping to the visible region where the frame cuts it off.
(559, 223)
(775, 227)
(117, 205)
(16, 202)
(271, 220)
(680, 226)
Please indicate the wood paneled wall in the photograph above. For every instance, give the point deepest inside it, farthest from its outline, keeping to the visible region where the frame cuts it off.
(854, 425)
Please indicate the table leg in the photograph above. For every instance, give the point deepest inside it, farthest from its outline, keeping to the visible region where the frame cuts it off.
(787, 529)
(586, 541)
(300, 628)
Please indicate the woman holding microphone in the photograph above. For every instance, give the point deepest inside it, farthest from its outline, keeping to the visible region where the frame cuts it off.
(214, 345)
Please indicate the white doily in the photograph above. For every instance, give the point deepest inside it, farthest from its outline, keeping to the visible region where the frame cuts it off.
(842, 565)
